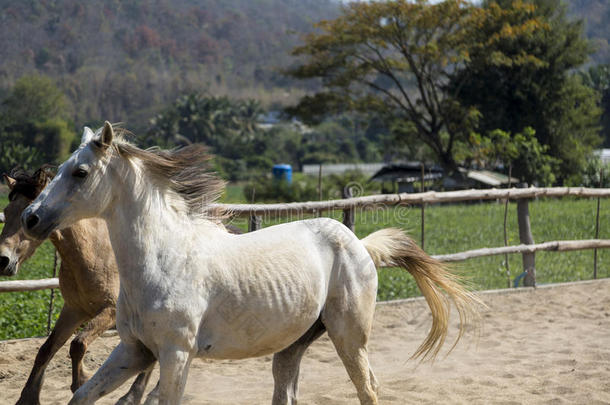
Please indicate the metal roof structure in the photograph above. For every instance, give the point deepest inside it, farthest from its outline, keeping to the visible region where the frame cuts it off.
(490, 178)
(407, 172)
(411, 171)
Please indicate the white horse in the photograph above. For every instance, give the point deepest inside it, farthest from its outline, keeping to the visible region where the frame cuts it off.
(190, 289)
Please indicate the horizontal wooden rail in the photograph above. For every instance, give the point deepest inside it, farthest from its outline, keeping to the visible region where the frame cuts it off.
(429, 197)
(28, 285)
(556, 246)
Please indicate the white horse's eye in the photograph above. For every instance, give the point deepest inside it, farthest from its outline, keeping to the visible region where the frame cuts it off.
(80, 173)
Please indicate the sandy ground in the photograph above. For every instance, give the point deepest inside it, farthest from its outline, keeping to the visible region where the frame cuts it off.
(545, 346)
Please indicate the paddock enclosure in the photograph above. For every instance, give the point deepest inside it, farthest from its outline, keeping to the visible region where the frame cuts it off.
(558, 354)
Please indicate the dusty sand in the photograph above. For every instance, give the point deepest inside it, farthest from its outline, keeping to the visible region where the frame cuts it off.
(545, 346)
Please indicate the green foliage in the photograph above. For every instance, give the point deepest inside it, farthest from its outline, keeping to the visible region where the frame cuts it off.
(25, 314)
(15, 154)
(520, 75)
(529, 159)
(216, 121)
(33, 99)
(598, 78)
(532, 163)
(33, 125)
(331, 142)
(590, 176)
(54, 139)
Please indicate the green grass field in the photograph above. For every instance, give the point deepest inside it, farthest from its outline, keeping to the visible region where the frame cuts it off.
(449, 229)
(25, 314)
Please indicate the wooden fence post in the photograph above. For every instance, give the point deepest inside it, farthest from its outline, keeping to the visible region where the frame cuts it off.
(601, 183)
(526, 237)
(50, 313)
(348, 213)
(506, 258)
(254, 224)
(423, 209)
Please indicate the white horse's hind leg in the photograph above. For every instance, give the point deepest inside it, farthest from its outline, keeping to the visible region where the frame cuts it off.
(356, 362)
(286, 366)
(125, 361)
(348, 317)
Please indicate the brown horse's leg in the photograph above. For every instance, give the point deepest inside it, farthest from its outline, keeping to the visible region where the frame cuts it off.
(66, 324)
(94, 328)
(136, 392)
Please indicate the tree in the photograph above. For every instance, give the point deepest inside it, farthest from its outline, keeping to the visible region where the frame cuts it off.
(529, 159)
(34, 98)
(33, 124)
(520, 75)
(394, 58)
(598, 78)
(219, 122)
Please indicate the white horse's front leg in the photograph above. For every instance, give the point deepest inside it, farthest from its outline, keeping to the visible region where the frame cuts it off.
(125, 361)
(174, 366)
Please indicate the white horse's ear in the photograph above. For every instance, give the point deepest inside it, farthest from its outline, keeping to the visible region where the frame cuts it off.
(10, 182)
(107, 134)
(87, 135)
(105, 139)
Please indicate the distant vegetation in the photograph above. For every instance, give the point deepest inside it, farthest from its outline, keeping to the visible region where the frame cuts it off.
(596, 14)
(124, 60)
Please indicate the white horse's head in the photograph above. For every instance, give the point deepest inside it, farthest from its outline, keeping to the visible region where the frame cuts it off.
(81, 189)
(105, 170)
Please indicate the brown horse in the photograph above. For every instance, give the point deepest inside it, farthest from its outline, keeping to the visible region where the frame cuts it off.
(88, 280)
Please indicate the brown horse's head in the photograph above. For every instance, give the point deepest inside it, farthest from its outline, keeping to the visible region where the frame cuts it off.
(15, 246)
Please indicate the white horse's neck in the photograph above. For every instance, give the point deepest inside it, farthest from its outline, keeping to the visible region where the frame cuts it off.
(150, 237)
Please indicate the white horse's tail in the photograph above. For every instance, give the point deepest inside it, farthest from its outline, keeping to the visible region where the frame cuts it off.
(392, 247)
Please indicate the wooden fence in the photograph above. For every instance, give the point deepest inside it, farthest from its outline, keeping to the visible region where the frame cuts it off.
(256, 213)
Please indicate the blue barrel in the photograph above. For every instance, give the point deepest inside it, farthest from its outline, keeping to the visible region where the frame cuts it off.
(282, 172)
